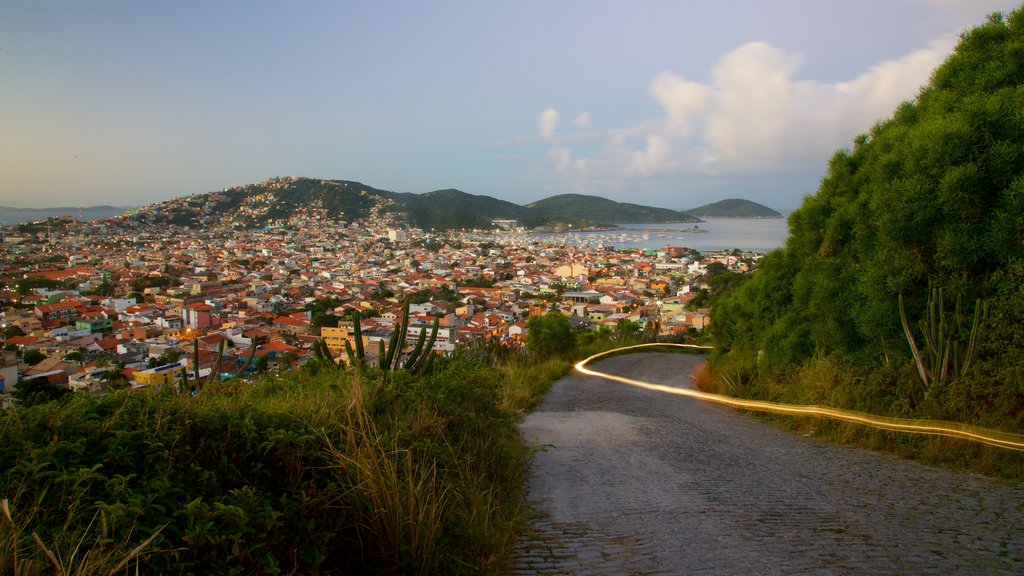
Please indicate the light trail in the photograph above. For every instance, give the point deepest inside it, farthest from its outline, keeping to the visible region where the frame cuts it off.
(929, 427)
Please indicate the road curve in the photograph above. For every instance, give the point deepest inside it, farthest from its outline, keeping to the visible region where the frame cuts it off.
(637, 482)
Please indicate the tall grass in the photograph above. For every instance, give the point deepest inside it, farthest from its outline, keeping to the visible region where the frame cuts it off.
(74, 551)
(321, 470)
(891, 389)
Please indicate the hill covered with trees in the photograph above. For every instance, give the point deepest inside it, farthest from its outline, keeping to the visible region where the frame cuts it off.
(733, 208)
(277, 199)
(899, 289)
(581, 207)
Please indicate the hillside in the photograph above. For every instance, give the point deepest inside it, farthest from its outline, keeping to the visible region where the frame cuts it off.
(922, 218)
(733, 208)
(446, 209)
(579, 207)
(278, 199)
(256, 205)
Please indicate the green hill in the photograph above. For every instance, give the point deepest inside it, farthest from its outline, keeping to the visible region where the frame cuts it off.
(579, 207)
(447, 209)
(733, 208)
(278, 199)
(931, 198)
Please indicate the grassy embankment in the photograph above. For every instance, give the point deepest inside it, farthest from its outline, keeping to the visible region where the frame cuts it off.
(320, 470)
(891, 390)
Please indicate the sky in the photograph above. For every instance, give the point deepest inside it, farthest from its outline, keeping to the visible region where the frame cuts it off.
(674, 103)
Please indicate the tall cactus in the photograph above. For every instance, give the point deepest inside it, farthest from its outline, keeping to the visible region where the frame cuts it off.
(421, 355)
(390, 356)
(215, 371)
(950, 341)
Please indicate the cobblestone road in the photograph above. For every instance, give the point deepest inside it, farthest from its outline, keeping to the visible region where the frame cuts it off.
(636, 482)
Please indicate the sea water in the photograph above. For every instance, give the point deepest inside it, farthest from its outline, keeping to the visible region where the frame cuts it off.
(747, 234)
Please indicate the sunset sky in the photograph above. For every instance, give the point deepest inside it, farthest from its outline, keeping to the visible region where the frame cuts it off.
(668, 103)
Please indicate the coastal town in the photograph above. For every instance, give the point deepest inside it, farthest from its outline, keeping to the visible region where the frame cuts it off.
(89, 305)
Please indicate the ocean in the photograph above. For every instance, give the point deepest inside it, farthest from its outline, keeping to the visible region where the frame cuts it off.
(752, 235)
(9, 216)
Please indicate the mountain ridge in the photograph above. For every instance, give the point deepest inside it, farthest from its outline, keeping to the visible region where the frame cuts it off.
(275, 199)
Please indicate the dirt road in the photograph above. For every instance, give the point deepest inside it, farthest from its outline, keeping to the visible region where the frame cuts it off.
(637, 482)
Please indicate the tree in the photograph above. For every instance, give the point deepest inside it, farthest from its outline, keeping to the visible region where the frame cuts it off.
(38, 391)
(288, 359)
(550, 334)
(321, 320)
(114, 378)
(33, 357)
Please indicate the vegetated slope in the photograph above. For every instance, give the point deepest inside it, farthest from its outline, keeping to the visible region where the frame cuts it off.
(733, 208)
(580, 207)
(447, 209)
(278, 199)
(256, 205)
(930, 198)
(319, 470)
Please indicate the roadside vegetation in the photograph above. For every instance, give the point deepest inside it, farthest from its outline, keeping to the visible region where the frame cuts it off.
(323, 469)
(329, 468)
(899, 290)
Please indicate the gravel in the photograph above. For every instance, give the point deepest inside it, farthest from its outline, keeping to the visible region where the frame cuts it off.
(629, 481)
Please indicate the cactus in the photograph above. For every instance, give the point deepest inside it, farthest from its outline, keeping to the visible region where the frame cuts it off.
(356, 357)
(419, 358)
(214, 372)
(357, 334)
(390, 356)
(950, 342)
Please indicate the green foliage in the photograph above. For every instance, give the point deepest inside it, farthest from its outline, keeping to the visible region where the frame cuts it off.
(930, 199)
(319, 471)
(35, 391)
(32, 357)
(550, 335)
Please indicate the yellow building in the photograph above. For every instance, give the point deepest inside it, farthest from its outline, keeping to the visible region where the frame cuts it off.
(572, 270)
(160, 376)
(335, 339)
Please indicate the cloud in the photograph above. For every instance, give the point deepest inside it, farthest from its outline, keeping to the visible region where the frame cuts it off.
(548, 122)
(583, 120)
(753, 117)
(680, 99)
(562, 158)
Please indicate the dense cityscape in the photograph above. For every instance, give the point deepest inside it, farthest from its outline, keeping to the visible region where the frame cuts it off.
(93, 304)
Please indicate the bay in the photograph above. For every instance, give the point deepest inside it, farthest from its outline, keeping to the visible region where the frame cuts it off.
(746, 234)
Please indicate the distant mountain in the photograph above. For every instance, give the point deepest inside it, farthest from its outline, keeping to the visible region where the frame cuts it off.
(733, 208)
(595, 209)
(278, 199)
(447, 209)
(9, 215)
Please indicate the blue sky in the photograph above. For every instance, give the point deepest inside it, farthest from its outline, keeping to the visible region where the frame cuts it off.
(668, 103)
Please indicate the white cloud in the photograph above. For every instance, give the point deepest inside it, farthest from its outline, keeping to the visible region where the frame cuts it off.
(583, 120)
(681, 100)
(548, 122)
(562, 159)
(754, 116)
(655, 158)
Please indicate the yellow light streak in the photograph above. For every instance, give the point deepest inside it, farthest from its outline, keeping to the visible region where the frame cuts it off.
(912, 426)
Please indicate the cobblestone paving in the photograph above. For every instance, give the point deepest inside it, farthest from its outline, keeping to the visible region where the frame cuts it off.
(630, 481)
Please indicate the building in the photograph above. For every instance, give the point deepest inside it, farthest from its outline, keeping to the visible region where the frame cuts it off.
(157, 378)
